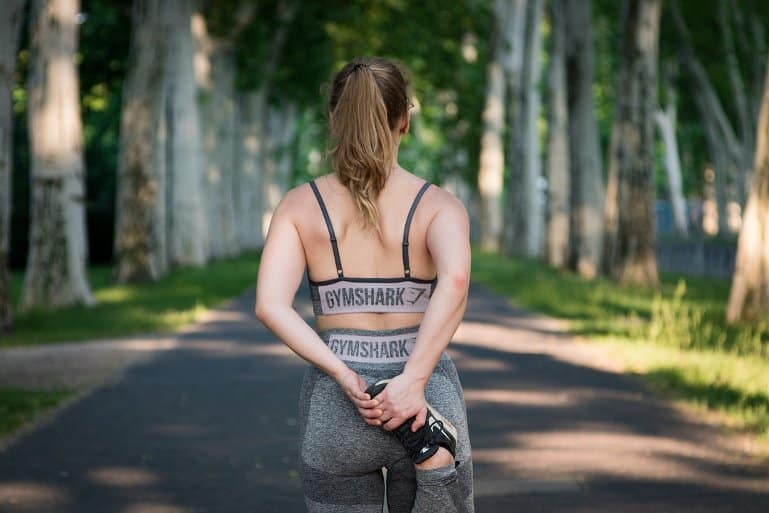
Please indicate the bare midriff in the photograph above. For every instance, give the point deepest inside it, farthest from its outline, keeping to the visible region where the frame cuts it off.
(368, 321)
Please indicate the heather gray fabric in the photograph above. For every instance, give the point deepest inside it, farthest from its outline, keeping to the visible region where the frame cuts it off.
(342, 456)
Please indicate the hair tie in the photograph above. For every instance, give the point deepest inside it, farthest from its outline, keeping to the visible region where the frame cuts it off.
(359, 65)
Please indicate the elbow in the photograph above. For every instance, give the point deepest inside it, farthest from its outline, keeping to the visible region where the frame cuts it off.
(459, 281)
(261, 311)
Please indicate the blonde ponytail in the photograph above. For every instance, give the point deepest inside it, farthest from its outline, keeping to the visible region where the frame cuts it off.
(368, 98)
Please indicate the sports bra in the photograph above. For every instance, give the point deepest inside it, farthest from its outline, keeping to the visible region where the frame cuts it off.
(347, 294)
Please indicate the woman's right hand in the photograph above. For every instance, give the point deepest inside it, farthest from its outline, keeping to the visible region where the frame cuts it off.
(354, 388)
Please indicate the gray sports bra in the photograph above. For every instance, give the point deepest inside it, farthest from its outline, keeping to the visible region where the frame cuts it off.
(345, 294)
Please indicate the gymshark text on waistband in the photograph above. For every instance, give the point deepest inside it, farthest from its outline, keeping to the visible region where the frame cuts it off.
(363, 349)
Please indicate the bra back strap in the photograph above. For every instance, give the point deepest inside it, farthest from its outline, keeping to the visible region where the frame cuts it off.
(331, 234)
(406, 268)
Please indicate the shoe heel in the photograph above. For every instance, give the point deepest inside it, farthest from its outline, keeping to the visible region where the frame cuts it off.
(377, 388)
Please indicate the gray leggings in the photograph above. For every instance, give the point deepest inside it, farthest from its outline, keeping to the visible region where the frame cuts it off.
(342, 457)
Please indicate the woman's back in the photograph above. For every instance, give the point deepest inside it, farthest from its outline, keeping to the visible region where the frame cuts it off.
(363, 253)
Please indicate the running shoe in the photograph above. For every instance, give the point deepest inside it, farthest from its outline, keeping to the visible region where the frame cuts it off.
(422, 444)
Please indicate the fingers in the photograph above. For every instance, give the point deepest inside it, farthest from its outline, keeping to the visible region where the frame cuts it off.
(365, 404)
(370, 413)
(393, 422)
(420, 420)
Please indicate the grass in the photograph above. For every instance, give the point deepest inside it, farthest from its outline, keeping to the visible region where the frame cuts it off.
(674, 336)
(168, 304)
(18, 406)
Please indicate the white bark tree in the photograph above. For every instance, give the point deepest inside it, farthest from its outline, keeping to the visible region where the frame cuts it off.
(140, 217)
(215, 72)
(557, 163)
(188, 229)
(524, 215)
(749, 295)
(252, 142)
(587, 195)
(248, 178)
(666, 122)
(277, 157)
(491, 160)
(11, 13)
(58, 251)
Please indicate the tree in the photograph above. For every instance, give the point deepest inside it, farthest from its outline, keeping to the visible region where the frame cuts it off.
(557, 163)
(666, 122)
(492, 160)
(633, 259)
(10, 24)
(749, 295)
(587, 196)
(251, 181)
(140, 237)
(56, 266)
(524, 221)
(215, 71)
(188, 229)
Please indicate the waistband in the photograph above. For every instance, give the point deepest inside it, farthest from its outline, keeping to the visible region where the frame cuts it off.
(371, 346)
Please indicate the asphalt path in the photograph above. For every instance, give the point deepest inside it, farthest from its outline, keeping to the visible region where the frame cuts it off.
(208, 424)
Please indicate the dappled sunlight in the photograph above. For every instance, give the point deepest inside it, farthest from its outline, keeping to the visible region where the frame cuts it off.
(122, 477)
(520, 397)
(600, 450)
(116, 294)
(520, 339)
(155, 507)
(31, 496)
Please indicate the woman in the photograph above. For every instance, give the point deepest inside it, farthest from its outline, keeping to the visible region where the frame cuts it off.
(380, 320)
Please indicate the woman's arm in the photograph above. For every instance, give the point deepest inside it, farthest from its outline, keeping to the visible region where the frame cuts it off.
(281, 269)
(448, 239)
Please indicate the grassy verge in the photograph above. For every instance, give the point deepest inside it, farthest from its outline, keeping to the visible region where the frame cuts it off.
(18, 406)
(165, 305)
(674, 335)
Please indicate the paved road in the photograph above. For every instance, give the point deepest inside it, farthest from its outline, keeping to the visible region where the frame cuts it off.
(208, 424)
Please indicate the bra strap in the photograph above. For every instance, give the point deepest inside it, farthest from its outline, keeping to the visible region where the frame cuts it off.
(406, 268)
(331, 234)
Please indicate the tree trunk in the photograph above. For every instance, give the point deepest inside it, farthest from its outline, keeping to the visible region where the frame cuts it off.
(524, 223)
(666, 122)
(11, 13)
(279, 136)
(586, 226)
(187, 227)
(557, 164)
(58, 255)
(249, 169)
(252, 145)
(749, 296)
(215, 72)
(140, 217)
(635, 259)
(492, 161)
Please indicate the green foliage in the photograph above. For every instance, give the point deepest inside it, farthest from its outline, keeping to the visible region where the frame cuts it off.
(18, 406)
(165, 305)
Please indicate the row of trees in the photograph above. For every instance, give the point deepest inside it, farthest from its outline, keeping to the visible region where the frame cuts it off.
(219, 113)
(593, 224)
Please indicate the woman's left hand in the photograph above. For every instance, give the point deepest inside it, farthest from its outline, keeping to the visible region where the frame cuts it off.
(402, 399)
